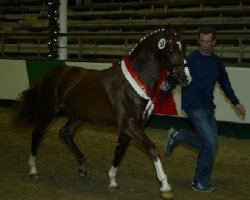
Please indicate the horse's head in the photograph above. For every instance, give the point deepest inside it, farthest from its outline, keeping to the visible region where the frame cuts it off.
(172, 57)
(160, 49)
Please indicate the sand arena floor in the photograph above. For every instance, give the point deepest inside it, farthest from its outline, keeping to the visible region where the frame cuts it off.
(58, 179)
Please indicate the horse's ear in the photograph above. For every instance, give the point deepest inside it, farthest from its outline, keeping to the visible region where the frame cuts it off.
(169, 29)
(179, 33)
(180, 29)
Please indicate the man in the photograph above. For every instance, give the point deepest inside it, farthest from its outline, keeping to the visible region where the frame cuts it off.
(197, 101)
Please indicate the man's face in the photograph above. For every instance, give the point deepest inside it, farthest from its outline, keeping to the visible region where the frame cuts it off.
(206, 43)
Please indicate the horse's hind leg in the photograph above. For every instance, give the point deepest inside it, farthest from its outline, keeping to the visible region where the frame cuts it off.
(67, 134)
(120, 150)
(37, 136)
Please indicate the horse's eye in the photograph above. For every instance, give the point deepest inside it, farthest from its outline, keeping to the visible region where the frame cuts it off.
(172, 46)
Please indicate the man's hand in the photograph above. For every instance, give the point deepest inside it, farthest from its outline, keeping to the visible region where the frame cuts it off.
(240, 109)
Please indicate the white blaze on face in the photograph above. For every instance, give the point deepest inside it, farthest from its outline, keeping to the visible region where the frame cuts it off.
(187, 72)
(179, 45)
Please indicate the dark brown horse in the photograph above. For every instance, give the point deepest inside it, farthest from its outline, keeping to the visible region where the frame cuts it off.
(122, 96)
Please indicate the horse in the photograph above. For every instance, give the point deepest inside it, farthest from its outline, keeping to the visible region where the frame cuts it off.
(120, 96)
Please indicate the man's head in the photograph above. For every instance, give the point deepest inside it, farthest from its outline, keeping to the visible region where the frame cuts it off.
(206, 40)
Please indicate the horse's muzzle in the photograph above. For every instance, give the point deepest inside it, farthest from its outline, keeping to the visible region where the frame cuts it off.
(186, 78)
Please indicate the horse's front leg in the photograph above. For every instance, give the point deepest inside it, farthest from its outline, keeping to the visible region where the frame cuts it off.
(165, 188)
(136, 132)
(121, 146)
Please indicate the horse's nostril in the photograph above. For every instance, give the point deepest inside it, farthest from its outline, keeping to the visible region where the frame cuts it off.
(184, 81)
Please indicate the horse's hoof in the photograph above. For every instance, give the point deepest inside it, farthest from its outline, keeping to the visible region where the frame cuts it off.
(33, 176)
(167, 195)
(82, 173)
(112, 188)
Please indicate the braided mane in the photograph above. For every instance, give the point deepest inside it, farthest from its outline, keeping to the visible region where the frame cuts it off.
(144, 38)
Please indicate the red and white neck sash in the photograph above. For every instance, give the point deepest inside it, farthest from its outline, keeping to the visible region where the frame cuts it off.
(139, 86)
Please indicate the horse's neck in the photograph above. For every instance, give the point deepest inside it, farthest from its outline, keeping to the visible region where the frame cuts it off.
(148, 69)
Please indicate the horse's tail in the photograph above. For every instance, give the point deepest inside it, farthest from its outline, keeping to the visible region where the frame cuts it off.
(26, 108)
(37, 105)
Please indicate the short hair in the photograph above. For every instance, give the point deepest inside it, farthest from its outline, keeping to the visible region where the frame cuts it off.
(207, 30)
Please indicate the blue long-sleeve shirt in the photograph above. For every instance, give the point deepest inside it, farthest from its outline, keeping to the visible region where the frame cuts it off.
(205, 71)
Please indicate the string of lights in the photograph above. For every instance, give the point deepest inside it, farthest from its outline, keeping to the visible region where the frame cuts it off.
(53, 15)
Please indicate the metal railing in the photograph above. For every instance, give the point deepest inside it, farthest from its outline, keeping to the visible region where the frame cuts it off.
(231, 46)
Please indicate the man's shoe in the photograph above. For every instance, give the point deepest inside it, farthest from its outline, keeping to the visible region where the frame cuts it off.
(172, 142)
(198, 187)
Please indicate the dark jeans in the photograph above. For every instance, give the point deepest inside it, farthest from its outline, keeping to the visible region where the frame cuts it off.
(205, 141)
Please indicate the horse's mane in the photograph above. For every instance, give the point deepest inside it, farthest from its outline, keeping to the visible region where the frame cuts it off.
(143, 39)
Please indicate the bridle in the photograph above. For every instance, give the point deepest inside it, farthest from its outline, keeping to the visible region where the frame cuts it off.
(172, 70)
(167, 62)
